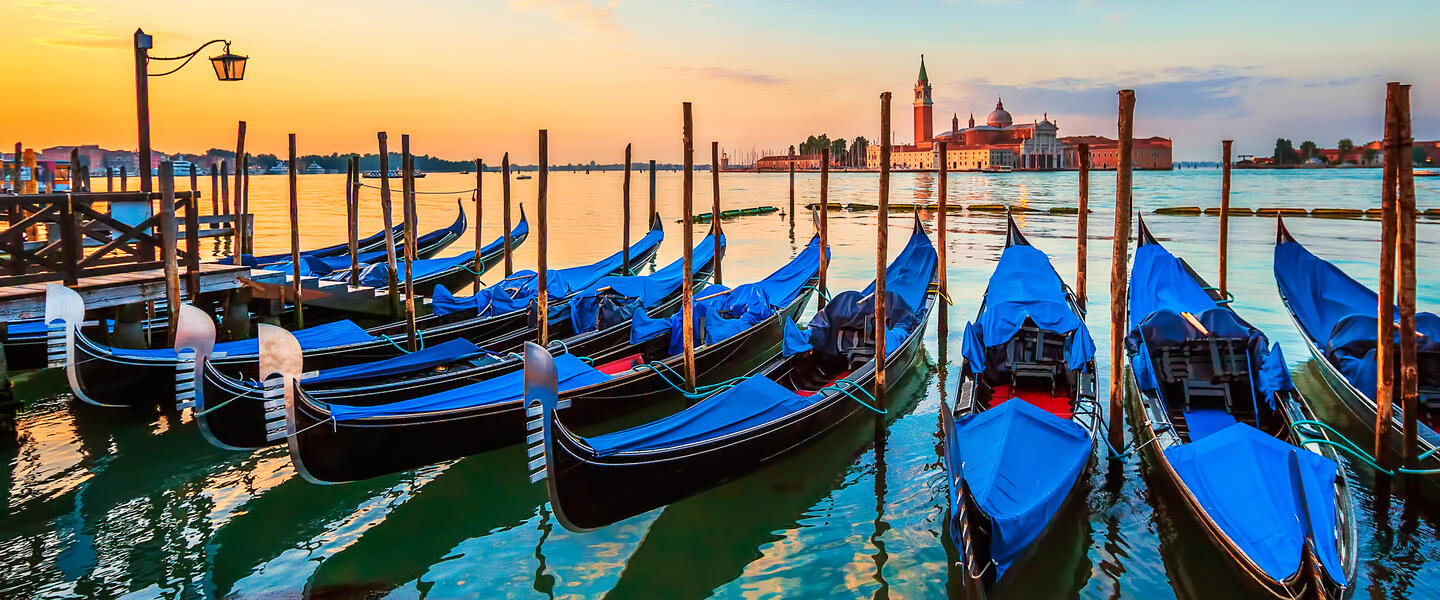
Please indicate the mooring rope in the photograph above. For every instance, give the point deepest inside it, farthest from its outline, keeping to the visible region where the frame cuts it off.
(834, 387)
(1349, 447)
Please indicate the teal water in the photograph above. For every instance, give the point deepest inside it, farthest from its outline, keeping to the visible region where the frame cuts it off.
(103, 504)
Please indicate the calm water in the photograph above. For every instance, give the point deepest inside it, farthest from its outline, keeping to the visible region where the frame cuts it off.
(111, 504)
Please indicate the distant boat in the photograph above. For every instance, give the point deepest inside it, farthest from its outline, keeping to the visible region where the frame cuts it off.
(998, 169)
(522, 176)
(418, 175)
(278, 169)
(1427, 173)
(181, 167)
(394, 174)
(315, 169)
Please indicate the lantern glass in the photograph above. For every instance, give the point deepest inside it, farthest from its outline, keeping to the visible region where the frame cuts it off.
(229, 67)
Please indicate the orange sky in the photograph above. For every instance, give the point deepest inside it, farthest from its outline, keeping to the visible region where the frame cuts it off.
(472, 79)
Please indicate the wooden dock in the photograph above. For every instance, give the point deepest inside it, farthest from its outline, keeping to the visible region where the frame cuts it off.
(27, 301)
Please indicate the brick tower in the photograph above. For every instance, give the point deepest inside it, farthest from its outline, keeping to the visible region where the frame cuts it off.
(924, 107)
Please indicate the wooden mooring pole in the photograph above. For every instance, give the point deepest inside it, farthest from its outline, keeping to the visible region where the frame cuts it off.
(542, 300)
(715, 208)
(1119, 269)
(169, 242)
(407, 199)
(1405, 280)
(505, 209)
(792, 182)
(352, 218)
(1225, 217)
(215, 192)
(940, 244)
(625, 214)
(1082, 225)
(882, 243)
(650, 217)
(824, 224)
(238, 225)
(687, 287)
(1385, 333)
(392, 286)
(295, 239)
(192, 238)
(479, 262)
(124, 178)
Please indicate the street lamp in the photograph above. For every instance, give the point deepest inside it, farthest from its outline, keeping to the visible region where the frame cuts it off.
(228, 67)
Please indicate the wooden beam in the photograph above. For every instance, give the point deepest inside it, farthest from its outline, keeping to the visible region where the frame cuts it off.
(1119, 269)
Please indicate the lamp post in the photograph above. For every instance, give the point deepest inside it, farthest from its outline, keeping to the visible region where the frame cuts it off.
(228, 67)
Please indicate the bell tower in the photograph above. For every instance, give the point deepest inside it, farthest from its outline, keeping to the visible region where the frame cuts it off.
(924, 107)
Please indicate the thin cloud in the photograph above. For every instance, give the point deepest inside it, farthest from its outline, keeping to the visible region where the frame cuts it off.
(580, 14)
(88, 38)
(744, 76)
(1179, 92)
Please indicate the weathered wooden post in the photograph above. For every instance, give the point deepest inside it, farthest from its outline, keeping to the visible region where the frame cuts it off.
(224, 189)
(392, 286)
(542, 315)
(1119, 269)
(650, 217)
(1385, 334)
(791, 159)
(1405, 279)
(109, 179)
(479, 222)
(239, 223)
(882, 242)
(1225, 217)
(124, 178)
(715, 207)
(625, 214)
(192, 238)
(355, 222)
(1082, 226)
(505, 209)
(295, 240)
(245, 202)
(407, 204)
(824, 225)
(940, 243)
(168, 241)
(687, 287)
(214, 191)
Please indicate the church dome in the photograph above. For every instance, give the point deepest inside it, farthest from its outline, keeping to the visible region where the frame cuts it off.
(999, 117)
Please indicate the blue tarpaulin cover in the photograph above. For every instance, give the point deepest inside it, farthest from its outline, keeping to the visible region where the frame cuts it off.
(376, 274)
(795, 341)
(1340, 314)
(1025, 285)
(1020, 463)
(1242, 479)
(754, 401)
(723, 312)
(339, 333)
(440, 354)
(520, 289)
(649, 290)
(570, 371)
(1160, 290)
(910, 274)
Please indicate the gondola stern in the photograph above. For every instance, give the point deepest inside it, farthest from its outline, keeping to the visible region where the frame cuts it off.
(280, 364)
(64, 312)
(1143, 235)
(542, 399)
(1282, 233)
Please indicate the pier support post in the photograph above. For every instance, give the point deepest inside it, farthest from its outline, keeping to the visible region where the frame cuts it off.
(128, 331)
(1082, 226)
(1385, 349)
(1225, 217)
(687, 287)
(882, 242)
(1119, 269)
(237, 313)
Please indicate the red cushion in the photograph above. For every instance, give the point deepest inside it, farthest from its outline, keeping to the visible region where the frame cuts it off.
(1055, 405)
(615, 367)
(808, 393)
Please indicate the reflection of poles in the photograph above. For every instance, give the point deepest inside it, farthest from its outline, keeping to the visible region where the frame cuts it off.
(1225, 217)
(295, 240)
(879, 526)
(1119, 258)
(1405, 286)
(687, 287)
(1385, 350)
(882, 239)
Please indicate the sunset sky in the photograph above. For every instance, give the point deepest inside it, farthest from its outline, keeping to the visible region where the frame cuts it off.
(474, 79)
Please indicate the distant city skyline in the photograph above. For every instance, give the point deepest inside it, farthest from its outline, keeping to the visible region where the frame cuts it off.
(473, 81)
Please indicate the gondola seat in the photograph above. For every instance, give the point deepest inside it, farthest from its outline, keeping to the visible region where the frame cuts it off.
(1058, 405)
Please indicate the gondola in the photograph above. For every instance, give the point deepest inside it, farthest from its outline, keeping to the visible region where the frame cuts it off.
(376, 434)
(1336, 316)
(1021, 437)
(1213, 409)
(367, 244)
(232, 412)
(427, 272)
(109, 376)
(814, 385)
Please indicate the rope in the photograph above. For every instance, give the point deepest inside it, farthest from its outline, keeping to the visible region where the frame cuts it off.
(317, 424)
(817, 290)
(419, 192)
(836, 388)
(701, 391)
(419, 340)
(1349, 447)
(217, 406)
(1229, 296)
